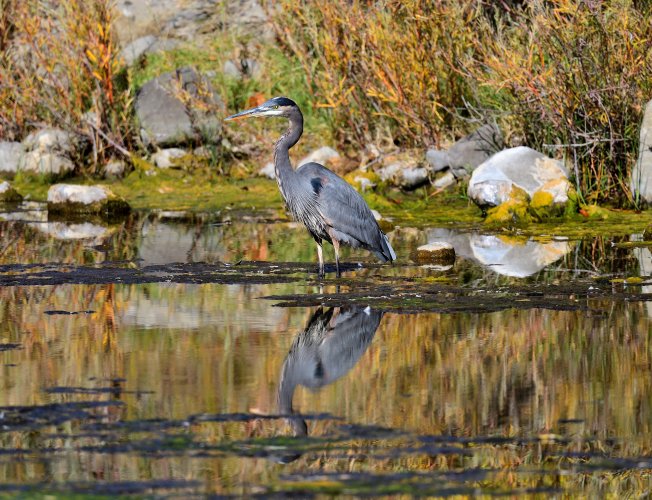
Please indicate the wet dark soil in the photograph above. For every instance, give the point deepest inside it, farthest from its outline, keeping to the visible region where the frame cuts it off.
(387, 293)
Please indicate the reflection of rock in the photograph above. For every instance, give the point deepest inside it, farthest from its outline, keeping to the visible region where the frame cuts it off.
(66, 231)
(644, 257)
(331, 344)
(29, 211)
(502, 255)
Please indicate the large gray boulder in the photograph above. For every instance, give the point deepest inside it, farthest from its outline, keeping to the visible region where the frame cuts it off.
(48, 153)
(10, 155)
(492, 182)
(178, 108)
(641, 181)
(468, 153)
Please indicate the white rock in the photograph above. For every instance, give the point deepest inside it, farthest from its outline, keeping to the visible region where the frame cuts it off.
(492, 182)
(165, 158)
(40, 163)
(363, 183)
(115, 169)
(10, 155)
(322, 155)
(438, 251)
(268, 171)
(50, 140)
(72, 193)
(448, 179)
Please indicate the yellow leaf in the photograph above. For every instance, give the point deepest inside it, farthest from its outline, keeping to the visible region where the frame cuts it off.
(91, 56)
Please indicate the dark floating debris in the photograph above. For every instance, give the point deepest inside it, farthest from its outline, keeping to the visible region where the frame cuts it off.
(69, 313)
(10, 347)
(94, 390)
(38, 416)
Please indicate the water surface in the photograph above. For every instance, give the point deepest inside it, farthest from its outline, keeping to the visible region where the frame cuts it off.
(180, 385)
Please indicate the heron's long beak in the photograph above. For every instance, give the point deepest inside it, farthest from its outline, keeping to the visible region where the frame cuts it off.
(245, 114)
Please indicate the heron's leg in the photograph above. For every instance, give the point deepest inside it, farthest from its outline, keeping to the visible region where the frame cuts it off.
(320, 256)
(336, 246)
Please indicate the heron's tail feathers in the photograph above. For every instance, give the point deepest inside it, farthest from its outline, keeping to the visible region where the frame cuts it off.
(386, 252)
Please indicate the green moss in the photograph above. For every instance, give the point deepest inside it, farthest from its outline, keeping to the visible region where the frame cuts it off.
(354, 177)
(511, 212)
(541, 199)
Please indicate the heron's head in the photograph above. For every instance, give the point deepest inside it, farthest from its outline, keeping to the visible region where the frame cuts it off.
(277, 106)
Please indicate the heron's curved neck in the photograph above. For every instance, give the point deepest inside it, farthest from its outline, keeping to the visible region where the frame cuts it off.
(282, 147)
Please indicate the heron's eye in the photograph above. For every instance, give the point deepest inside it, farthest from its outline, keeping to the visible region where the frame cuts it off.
(275, 107)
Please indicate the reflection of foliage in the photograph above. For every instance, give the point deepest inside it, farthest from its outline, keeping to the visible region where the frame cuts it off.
(213, 348)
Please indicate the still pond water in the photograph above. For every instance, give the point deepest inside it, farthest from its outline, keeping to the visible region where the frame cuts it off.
(172, 386)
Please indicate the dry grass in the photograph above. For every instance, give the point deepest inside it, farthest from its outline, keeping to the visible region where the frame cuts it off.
(570, 76)
(575, 75)
(61, 67)
(383, 68)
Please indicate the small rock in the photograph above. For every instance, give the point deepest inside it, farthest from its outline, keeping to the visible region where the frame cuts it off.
(75, 199)
(115, 169)
(268, 171)
(48, 153)
(165, 158)
(405, 175)
(438, 252)
(472, 150)
(444, 181)
(8, 194)
(47, 164)
(10, 155)
(133, 51)
(51, 140)
(362, 180)
(322, 155)
(245, 68)
(438, 160)
(492, 182)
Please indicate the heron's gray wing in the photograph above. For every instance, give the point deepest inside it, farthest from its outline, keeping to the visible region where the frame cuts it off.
(345, 211)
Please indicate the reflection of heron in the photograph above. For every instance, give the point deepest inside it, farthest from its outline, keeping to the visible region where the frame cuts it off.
(328, 348)
(324, 202)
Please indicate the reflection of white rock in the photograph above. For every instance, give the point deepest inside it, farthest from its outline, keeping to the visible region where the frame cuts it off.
(66, 231)
(28, 211)
(506, 257)
(644, 257)
(515, 258)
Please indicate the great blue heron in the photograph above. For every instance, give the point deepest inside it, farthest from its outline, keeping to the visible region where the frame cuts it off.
(324, 202)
